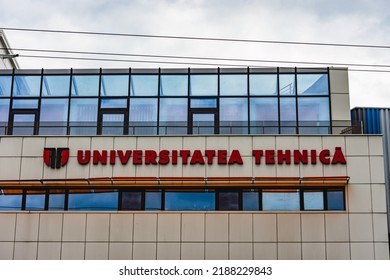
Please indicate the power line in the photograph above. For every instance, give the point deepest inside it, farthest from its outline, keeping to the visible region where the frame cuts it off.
(198, 38)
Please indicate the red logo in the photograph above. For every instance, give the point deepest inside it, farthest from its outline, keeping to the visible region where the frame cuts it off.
(55, 157)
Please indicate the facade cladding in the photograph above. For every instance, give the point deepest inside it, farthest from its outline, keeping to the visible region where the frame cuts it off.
(187, 164)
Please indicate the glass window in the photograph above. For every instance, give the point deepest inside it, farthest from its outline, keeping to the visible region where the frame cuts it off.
(4, 111)
(83, 116)
(313, 200)
(174, 85)
(203, 85)
(250, 201)
(143, 116)
(335, 200)
(56, 200)
(288, 112)
(113, 103)
(233, 84)
(35, 200)
(233, 115)
(23, 124)
(173, 115)
(25, 104)
(203, 103)
(26, 86)
(10, 200)
(53, 116)
(281, 200)
(144, 85)
(264, 112)
(263, 84)
(90, 201)
(228, 201)
(187, 201)
(287, 84)
(152, 200)
(87, 85)
(312, 109)
(312, 84)
(5, 85)
(55, 85)
(132, 200)
(114, 85)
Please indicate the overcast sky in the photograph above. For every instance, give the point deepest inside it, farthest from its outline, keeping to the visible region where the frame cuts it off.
(328, 21)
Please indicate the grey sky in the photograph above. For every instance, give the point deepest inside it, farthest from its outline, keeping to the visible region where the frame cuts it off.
(331, 21)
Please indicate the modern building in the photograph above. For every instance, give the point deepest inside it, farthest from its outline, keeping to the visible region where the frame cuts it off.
(187, 164)
(7, 57)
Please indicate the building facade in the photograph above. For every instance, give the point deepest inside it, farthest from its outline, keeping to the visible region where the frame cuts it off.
(187, 164)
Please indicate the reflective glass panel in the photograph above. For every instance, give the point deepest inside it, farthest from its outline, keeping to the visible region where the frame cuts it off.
(113, 124)
(132, 200)
(287, 84)
(281, 200)
(35, 201)
(55, 85)
(174, 85)
(25, 104)
(114, 85)
(312, 109)
(187, 201)
(264, 112)
(53, 116)
(143, 116)
(313, 200)
(233, 113)
(5, 85)
(173, 115)
(83, 116)
(263, 84)
(100, 201)
(10, 200)
(23, 124)
(203, 85)
(250, 201)
(144, 85)
(335, 200)
(312, 84)
(152, 201)
(56, 200)
(26, 86)
(87, 85)
(233, 84)
(203, 103)
(228, 201)
(4, 110)
(203, 124)
(113, 103)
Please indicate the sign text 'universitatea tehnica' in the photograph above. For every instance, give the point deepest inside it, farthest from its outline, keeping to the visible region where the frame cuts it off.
(58, 157)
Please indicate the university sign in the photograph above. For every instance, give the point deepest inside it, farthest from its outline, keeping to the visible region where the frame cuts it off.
(58, 157)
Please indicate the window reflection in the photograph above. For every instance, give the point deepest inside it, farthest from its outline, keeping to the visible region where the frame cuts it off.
(4, 109)
(313, 200)
(114, 85)
(279, 200)
(173, 115)
(55, 85)
(174, 85)
(144, 85)
(312, 84)
(53, 117)
(99, 201)
(250, 201)
(263, 84)
(5, 85)
(204, 201)
(203, 85)
(143, 116)
(35, 200)
(234, 115)
(231, 84)
(335, 200)
(153, 200)
(83, 116)
(26, 86)
(56, 200)
(287, 84)
(10, 200)
(86, 85)
(264, 112)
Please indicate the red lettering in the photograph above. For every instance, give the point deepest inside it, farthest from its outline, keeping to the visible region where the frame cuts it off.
(324, 156)
(185, 154)
(300, 157)
(83, 157)
(112, 157)
(338, 156)
(222, 156)
(235, 157)
(137, 157)
(124, 157)
(197, 157)
(284, 157)
(174, 157)
(257, 154)
(313, 157)
(163, 157)
(210, 154)
(99, 157)
(269, 157)
(150, 157)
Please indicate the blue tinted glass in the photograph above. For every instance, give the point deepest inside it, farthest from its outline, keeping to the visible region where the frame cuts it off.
(53, 116)
(4, 110)
(5, 85)
(312, 84)
(143, 116)
(153, 201)
(26, 86)
(55, 85)
(87, 85)
(233, 114)
(83, 116)
(288, 112)
(57, 202)
(281, 201)
(287, 84)
(144, 85)
(203, 85)
(313, 200)
(10, 200)
(263, 84)
(113, 103)
(204, 201)
(25, 104)
(313, 109)
(102, 201)
(336, 200)
(23, 124)
(35, 202)
(174, 85)
(228, 201)
(204, 103)
(264, 111)
(233, 84)
(250, 201)
(114, 85)
(173, 115)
